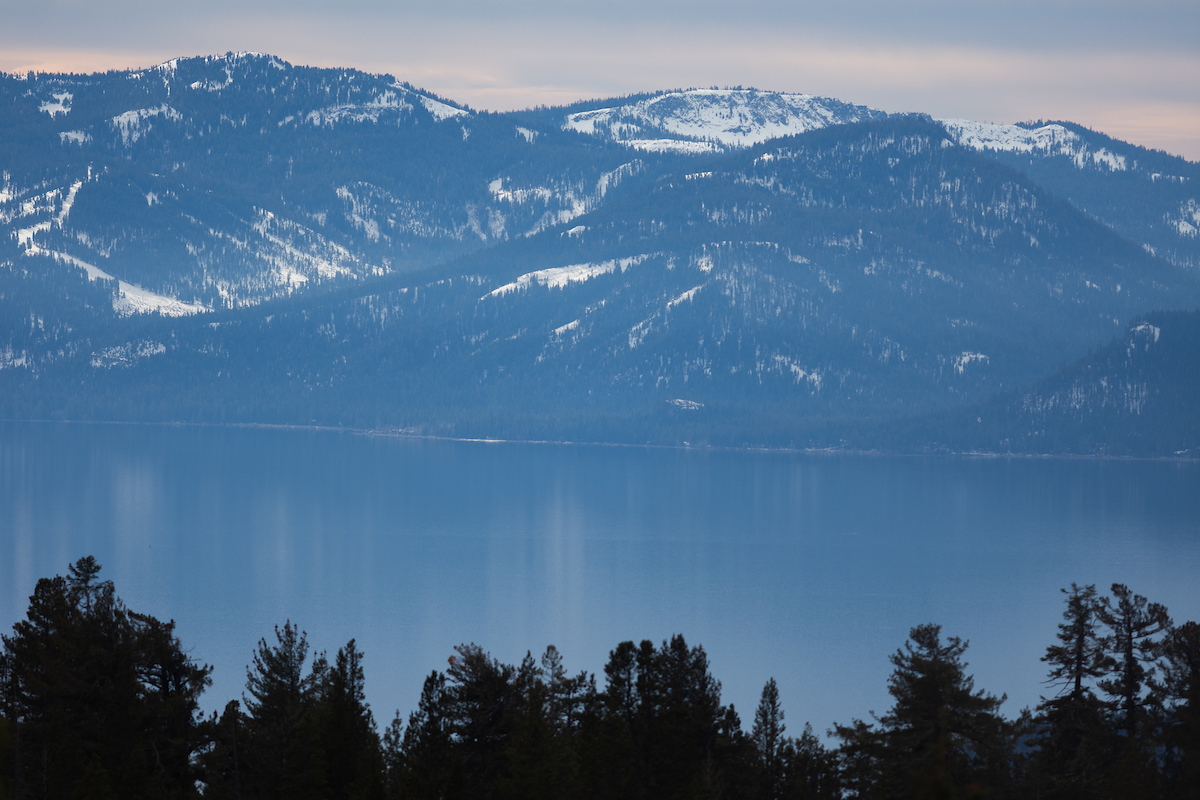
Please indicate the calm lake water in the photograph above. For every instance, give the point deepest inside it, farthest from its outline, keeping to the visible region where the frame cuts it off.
(808, 568)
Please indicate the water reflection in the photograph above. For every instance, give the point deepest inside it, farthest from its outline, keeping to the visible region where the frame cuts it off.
(808, 568)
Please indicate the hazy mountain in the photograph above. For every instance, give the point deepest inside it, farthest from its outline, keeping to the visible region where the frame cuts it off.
(216, 182)
(331, 246)
(1148, 196)
(1137, 394)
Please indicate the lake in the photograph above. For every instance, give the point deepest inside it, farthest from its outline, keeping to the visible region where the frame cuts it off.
(809, 568)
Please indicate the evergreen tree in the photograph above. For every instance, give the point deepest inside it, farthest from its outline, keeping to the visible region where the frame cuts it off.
(392, 743)
(482, 698)
(809, 769)
(425, 761)
(941, 739)
(221, 761)
(769, 742)
(1079, 658)
(680, 721)
(1181, 686)
(282, 754)
(102, 701)
(350, 745)
(860, 759)
(1074, 737)
(544, 751)
(611, 765)
(1135, 630)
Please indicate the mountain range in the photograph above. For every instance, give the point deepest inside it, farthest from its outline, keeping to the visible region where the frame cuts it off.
(236, 239)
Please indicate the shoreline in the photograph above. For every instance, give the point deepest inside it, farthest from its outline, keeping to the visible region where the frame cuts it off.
(817, 451)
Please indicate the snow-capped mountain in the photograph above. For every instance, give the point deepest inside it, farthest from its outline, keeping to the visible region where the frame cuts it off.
(1051, 139)
(711, 120)
(215, 182)
(1149, 196)
(730, 266)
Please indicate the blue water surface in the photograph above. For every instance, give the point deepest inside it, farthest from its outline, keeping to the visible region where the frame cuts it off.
(810, 568)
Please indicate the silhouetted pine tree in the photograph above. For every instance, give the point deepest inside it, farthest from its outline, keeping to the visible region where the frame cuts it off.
(1136, 628)
(769, 742)
(1181, 685)
(425, 763)
(941, 739)
(1073, 738)
(349, 743)
(282, 757)
(102, 701)
(809, 769)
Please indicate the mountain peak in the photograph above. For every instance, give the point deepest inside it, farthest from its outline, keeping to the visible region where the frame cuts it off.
(700, 120)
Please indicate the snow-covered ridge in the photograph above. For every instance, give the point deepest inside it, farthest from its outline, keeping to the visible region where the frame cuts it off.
(168, 68)
(559, 277)
(358, 112)
(397, 101)
(1053, 139)
(729, 117)
(1048, 139)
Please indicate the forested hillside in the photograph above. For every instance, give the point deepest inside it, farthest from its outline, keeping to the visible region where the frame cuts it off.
(237, 239)
(1136, 394)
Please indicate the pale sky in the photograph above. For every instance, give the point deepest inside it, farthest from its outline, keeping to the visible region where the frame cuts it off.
(1128, 68)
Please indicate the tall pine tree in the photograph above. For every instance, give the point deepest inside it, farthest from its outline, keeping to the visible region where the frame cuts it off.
(1074, 738)
(103, 701)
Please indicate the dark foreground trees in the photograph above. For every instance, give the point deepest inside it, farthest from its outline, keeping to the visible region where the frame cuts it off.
(99, 701)
(942, 737)
(306, 731)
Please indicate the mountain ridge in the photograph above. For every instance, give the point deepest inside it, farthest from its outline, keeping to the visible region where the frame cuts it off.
(357, 251)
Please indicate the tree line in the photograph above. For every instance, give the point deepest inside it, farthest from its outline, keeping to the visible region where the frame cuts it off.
(100, 701)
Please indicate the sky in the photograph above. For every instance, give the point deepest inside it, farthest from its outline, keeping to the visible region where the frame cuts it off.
(1130, 68)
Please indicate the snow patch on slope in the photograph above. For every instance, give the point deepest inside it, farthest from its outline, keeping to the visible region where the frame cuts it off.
(800, 374)
(560, 277)
(1188, 223)
(358, 112)
(41, 204)
(133, 125)
(61, 104)
(440, 110)
(961, 362)
(131, 299)
(1147, 330)
(686, 297)
(127, 355)
(327, 259)
(684, 146)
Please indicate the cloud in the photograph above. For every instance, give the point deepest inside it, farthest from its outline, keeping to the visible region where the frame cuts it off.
(1124, 67)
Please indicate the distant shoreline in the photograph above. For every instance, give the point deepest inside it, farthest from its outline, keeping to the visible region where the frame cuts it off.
(403, 434)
